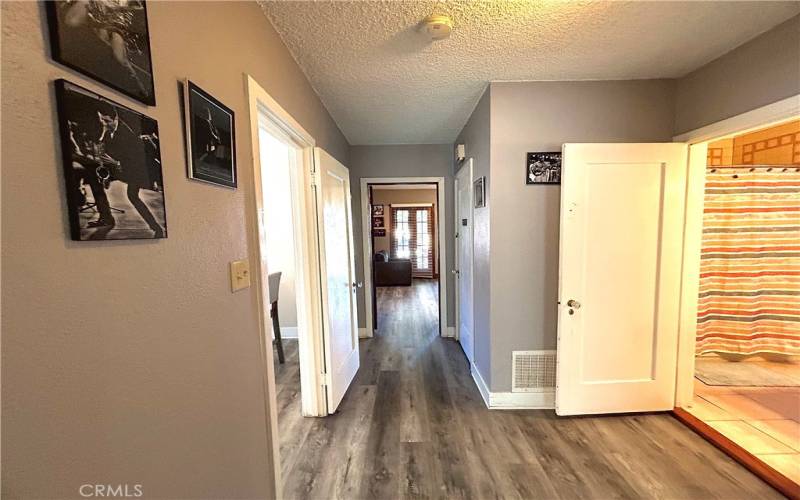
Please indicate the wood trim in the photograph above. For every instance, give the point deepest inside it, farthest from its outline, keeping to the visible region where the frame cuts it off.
(366, 241)
(771, 114)
(752, 463)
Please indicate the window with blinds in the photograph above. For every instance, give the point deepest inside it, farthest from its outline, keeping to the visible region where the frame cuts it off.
(412, 238)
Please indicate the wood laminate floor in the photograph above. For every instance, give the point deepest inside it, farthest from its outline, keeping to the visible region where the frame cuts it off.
(413, 425)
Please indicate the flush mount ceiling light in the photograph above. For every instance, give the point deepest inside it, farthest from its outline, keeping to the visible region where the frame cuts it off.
(438, 27)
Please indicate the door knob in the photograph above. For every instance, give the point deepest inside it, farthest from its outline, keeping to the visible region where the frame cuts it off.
(358, 285)
(573, 304)
(455, 271)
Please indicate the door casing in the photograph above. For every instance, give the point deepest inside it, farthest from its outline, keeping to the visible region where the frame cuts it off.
(765, 116)
(310, 348)
(366, 245)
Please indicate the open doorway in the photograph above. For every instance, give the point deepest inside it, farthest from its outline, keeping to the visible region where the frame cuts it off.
(406, 252)
(300, 224)
(404, 249)
(740, 372)
(280, 158)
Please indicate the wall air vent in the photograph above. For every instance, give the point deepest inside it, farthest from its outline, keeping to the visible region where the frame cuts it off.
(533, 371)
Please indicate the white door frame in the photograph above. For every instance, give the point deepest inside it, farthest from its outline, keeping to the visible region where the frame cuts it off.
(366, 242)
(765, 116)
(310, 337)
(456, 231)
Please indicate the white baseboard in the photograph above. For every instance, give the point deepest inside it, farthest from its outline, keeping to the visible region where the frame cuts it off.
(482, 387)
(522, 400)
(288, 332)
(449, 332)
(363, 334)
(513, 400)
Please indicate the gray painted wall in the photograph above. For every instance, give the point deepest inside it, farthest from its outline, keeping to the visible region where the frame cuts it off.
(476, 137)
(760, 72)
(516, 285)
(416, 160)
(541, 116)
(132, 362)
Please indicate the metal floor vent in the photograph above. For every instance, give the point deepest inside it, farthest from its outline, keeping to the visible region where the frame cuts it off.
(533, 371)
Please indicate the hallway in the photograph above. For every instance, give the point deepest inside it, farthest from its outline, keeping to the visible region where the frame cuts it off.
(413, 425)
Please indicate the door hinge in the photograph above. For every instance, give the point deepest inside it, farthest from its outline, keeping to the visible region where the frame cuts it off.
(314, 178)
(325, 379)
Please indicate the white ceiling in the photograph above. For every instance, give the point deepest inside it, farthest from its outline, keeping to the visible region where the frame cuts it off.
(384, 82)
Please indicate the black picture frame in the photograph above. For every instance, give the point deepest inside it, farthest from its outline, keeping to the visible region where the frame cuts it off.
(479, 192)
(378, 222)
(210, 138)
(543, 168)
(91, 45)
(377, 210)
(105, 145)
(379, 233)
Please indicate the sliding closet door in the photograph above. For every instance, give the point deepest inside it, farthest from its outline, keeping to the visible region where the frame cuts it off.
(622, 213)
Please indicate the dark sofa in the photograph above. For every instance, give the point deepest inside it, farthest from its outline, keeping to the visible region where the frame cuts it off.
(391, 272)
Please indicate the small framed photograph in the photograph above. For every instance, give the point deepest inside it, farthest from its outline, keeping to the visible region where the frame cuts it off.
(377, 222)
(112, 168)
(379, 232)
(106, 41)
(210, 138)
(543, 168)
(479, 188)
(377, 210)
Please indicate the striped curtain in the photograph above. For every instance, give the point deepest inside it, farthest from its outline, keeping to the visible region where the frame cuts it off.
(750, 261)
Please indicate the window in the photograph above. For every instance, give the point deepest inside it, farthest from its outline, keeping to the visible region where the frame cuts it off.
(412, 238)
(423, 247)
(402, 235)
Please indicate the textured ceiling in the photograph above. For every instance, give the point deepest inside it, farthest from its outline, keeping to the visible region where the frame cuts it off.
(385, 82)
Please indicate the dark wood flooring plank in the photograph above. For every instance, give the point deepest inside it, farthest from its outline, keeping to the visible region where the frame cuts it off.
(382, 478)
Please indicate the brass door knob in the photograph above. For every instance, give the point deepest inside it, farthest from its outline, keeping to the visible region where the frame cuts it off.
(573, 304)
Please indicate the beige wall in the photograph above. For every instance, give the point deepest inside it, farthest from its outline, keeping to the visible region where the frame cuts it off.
(387, 197)
(760, 72)
(132, 362)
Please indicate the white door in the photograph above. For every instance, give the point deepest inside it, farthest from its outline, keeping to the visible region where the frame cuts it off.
(340, 328)
(464, 258)
(622, 213)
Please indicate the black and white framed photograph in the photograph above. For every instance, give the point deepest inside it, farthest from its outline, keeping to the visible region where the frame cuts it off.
(377, 210)
(105, 40)
(112, 168)
(543, 168)
(377, 222)
(379, 232)
(210, 137)
(479, 189)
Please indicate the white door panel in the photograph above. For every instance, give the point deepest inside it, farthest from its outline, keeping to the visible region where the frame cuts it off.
(340, 329)
(464, 224)
(622, 212)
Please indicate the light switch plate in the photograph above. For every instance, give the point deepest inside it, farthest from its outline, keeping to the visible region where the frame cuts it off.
(240, 275)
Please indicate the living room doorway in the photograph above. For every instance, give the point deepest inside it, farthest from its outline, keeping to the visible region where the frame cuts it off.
(404, 249)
